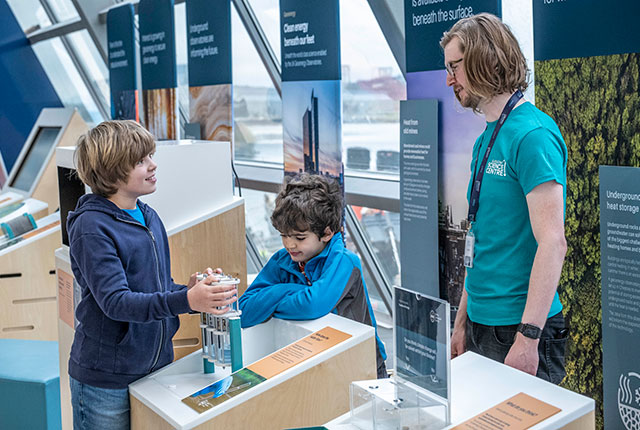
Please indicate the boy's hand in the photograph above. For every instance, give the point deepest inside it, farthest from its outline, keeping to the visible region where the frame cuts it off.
(193, 278)
(207, 298)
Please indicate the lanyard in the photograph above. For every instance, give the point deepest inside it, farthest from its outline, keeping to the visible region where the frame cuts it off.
(474, 202)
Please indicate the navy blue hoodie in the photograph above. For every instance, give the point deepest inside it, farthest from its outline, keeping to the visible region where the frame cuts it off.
(128, 312)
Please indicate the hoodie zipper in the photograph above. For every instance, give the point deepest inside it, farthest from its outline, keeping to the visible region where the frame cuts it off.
(155, 254)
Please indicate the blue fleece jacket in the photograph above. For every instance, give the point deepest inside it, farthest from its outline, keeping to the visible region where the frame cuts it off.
(128, 312)
(280, 290)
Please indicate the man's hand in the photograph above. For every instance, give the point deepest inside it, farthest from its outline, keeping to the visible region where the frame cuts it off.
(523, 354)
(458, 343)
(204, 297)
(458, 346)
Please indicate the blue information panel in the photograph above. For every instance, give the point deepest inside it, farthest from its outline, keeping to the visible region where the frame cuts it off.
(584, 28)
(209, 42)
(310, 40)
(157, 44)
(311, 90)
(158, 65)
(209, 52)
(122, 62)
(419, 195)
(426, 20)
(620, 260)
(422, 341)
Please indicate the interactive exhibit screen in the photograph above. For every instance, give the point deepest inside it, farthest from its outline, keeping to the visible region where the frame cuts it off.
(39, 149)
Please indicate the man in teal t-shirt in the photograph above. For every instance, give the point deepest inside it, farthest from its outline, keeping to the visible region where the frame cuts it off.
(509, 309)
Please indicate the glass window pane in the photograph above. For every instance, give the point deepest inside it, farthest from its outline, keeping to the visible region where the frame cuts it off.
(258, 206)
(384, 319)
(30, 14)
(382, 229)
(65, 79)
(256, 104)
(372, 85)
(95, 68)
(268, 14)
(63, 9)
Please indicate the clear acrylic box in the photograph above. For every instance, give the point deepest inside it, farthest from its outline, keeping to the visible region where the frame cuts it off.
(387, 404)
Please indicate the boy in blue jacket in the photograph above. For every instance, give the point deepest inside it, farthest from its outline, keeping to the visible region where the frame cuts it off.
(120, 258)
(314, 273)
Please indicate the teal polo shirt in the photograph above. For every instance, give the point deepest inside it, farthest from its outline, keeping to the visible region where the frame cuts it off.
(528, 151)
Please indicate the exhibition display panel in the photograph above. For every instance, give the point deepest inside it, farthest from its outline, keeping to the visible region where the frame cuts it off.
(34, 172)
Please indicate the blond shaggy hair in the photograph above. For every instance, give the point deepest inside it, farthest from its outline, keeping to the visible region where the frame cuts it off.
(493, 61)
(106, 154)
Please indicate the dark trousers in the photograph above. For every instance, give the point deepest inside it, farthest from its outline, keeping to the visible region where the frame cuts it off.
(495, 341)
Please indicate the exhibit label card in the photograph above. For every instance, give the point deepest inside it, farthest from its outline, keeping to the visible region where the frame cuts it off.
(122, 62)
(261, 370)
(419, 195)
(224, 389)
(297, 352)
(209, 53)
(520, 412)
(65, 298)
(620, 262)
(422, 342)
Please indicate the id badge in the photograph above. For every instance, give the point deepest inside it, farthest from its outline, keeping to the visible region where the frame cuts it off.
(469, 248)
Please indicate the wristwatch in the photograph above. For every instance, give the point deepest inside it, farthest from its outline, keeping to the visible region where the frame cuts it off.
(530, 331)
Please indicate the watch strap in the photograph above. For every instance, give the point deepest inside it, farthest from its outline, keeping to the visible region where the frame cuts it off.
(529, 330)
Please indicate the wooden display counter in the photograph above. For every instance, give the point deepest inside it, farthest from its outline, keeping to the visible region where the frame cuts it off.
(28, 284)
(309, 393)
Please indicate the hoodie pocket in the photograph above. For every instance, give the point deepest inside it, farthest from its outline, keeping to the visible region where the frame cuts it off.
(135, 352)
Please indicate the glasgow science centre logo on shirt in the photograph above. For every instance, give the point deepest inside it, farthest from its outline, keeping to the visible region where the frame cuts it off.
(497, 167)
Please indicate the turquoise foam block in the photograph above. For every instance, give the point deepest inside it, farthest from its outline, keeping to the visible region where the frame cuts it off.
(29, 385)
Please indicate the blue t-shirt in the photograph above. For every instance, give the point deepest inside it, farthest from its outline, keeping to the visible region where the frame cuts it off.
(136, 214)
(528, 151)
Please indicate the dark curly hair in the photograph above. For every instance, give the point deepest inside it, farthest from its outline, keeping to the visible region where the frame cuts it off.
(308, 203)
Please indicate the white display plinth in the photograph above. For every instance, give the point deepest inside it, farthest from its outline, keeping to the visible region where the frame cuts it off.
(389, 404)
(194, 179)
(478, 383)
(163, 390)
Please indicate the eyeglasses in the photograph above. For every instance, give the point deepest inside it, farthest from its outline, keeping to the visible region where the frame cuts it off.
(452, 66)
